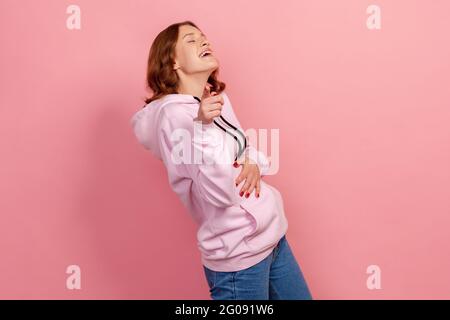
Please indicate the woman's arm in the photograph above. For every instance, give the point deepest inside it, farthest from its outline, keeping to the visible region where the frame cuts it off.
(257, 156)
(213, 177)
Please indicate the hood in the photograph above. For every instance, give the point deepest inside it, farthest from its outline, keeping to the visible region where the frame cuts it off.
(145, 122)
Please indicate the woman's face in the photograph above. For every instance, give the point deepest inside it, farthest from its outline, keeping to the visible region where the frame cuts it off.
(188, 51)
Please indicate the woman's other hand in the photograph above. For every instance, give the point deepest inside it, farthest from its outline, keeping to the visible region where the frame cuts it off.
(250, 172)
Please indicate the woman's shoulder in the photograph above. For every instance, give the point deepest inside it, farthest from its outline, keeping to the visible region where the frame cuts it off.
(176, 115)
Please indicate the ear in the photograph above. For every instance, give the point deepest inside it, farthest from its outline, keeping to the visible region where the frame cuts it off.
(175, 65)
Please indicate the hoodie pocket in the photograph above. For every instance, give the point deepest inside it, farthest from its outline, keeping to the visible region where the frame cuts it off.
(262, 210)
(208, 241)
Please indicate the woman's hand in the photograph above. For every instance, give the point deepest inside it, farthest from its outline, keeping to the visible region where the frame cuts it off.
(210, 106)
(250, 172)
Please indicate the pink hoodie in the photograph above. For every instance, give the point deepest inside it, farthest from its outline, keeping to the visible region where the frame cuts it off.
(234, 232)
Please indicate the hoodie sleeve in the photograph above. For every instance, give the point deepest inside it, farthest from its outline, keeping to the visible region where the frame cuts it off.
(257, 156)
(213, 179)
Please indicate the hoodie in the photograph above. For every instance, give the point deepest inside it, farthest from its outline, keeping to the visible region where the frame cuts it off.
(234, 232)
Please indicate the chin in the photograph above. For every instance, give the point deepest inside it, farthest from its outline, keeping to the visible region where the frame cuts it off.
(214, 66)
(210, 68)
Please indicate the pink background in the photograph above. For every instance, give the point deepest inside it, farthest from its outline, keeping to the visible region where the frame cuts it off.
(364, 154)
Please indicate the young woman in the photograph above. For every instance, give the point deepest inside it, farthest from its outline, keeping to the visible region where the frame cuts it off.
(241, 221)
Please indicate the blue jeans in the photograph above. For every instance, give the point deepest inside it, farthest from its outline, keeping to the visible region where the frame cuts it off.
(277, 277)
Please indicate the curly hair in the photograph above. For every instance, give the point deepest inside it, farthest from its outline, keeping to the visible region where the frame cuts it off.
(161, 78)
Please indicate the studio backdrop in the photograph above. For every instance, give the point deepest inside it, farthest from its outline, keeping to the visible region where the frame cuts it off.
(353, 95)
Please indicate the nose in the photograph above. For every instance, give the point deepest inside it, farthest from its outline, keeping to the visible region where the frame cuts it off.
(205, 42)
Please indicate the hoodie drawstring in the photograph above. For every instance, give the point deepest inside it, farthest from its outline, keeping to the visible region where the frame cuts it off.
(241, 150)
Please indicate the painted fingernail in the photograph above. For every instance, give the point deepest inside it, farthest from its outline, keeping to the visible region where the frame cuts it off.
(242, 192)
(257, 195)
(247, 195)
(235, 164)
(237, 184)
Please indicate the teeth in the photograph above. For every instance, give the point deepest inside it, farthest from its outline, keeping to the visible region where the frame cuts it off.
(204, 53)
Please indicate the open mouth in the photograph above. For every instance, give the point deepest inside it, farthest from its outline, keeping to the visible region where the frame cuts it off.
(206, 54)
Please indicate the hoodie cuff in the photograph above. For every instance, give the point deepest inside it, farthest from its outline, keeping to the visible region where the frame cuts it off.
(259, 158)
(204, 126)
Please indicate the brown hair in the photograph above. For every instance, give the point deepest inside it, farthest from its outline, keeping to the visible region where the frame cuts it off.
(161, 78)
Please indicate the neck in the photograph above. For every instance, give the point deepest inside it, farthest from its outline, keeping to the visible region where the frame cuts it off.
(193, 85)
